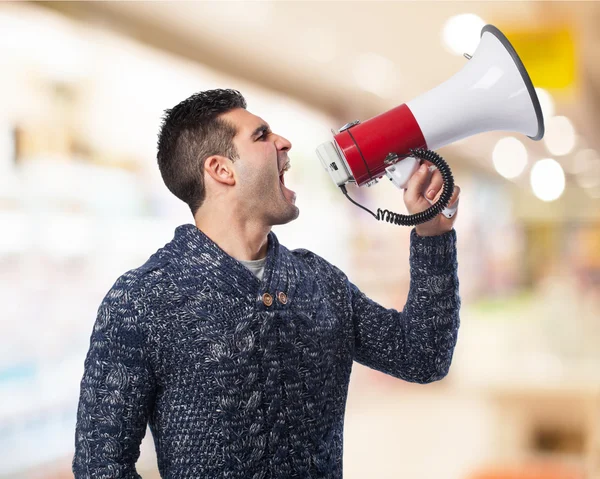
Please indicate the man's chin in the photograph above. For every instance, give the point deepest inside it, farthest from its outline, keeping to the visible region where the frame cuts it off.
(291, 213)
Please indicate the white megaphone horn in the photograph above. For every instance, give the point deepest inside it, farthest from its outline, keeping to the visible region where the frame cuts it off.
(491, 92)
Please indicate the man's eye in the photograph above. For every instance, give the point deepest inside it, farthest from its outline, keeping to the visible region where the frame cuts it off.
(263, 136)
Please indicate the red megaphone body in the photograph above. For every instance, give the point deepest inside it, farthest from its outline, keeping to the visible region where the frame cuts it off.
(492, 92)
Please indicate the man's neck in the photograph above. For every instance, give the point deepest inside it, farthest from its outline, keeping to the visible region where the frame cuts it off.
(243, 240)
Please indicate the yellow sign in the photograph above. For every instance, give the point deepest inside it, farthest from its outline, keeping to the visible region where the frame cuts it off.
(548, 55)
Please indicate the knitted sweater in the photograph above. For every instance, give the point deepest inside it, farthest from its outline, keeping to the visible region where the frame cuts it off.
(245, 378)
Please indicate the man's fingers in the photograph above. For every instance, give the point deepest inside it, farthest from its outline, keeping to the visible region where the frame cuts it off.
(454, 197)
(435, 186)
(416, 183)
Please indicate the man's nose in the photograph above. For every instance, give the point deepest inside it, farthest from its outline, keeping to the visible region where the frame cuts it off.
(282, 143)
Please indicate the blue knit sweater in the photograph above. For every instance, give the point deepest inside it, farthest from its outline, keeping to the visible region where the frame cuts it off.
(242, 378)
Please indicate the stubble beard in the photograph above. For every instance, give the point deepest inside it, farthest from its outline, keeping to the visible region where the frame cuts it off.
(282, 211)
(270, 204)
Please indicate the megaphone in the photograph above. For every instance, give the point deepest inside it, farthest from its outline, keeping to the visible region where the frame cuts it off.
(491, 92)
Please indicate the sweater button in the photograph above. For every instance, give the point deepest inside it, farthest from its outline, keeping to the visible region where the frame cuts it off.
(282, 297)
(267, 299)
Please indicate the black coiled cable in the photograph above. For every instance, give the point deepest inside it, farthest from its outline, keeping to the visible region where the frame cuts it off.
(433, 210)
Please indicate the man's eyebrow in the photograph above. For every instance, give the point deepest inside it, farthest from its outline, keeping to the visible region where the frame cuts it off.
(261, 129)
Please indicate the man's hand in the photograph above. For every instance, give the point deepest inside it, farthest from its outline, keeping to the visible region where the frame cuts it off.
(422, 183)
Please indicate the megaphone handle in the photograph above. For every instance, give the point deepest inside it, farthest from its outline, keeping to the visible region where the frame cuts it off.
(402, 171)
(423, 216)
(448, 212)
(399, 173)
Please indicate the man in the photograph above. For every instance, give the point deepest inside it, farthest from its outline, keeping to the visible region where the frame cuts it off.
(236, 350)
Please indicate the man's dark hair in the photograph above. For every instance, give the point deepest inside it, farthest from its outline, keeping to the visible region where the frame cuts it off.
(191, 132)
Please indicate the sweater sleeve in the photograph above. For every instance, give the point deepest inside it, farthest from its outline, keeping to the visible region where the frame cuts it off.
(416, 344)
(117, 391)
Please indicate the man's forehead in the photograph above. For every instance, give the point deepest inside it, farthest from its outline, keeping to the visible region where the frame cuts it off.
(245, 122)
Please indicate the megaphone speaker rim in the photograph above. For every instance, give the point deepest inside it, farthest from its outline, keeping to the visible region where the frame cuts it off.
(526, 79)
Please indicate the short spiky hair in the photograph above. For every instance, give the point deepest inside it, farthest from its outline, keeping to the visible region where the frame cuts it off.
(191, 132)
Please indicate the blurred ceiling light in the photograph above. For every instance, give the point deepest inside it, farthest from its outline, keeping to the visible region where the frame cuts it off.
(509, 157)
(547, 179)
(461, 33)
(49, 42)
(546, 102)
(586, 166)
(376, 74)
(560, 135)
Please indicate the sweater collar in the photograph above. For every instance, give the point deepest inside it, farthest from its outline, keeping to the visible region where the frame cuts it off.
(196, 253)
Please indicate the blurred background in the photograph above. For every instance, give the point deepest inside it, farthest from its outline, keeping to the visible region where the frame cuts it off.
(83, 86)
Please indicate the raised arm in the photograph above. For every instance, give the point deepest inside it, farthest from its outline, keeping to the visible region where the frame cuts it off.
(416, 344)
(117, 390)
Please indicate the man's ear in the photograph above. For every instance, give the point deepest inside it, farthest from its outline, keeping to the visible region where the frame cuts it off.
(220, 169)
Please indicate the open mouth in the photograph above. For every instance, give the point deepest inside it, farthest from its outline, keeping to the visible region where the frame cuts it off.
(289, 194)
(282, 172)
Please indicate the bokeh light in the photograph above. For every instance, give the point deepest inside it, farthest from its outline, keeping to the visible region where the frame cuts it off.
(560, 135)
(461, 33)
(509, 157)
(547, 179)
